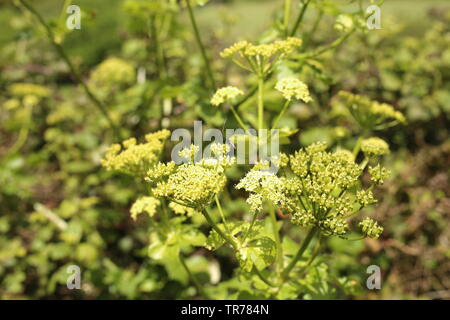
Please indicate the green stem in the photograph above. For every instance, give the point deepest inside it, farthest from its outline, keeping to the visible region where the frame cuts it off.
(23, 133)
(252, 223)
(300, 17)
(299, 254)
(73, 70)
(276, 236)
(262, 277)
(238, 118)
(357, 146)
(219, 207)
(260, 102)
(281, 114)
(287, 15)
(200, 44)
(228, 239)
(194, 279)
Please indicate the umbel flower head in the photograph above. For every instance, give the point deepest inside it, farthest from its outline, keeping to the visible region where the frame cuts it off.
(320, 189)
(144, 205)
(370, 228)
(225, 94)
(113, 72)
(259, 58)
(28, 89)
(374, 147)
(192, 184)
(293, 88)
(344, 23)
(133, 158)
(371, 114)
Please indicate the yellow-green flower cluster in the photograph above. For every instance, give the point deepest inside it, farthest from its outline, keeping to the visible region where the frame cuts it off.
(365, 198)
(112, 73)
(133, 158)
(245, 48)
(259, 58)
(370, 228)
(29, 89)
(225, 94)
(293, 88)
(180, 209)
(371, 114)
(374, 147)
(144, 205)
(344, 23)
(28, 94)
(264, 185)
(326, 188)
(191, 185)
(378, 174)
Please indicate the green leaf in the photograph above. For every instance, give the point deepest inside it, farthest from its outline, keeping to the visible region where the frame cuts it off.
(215, 241)
(258, 252)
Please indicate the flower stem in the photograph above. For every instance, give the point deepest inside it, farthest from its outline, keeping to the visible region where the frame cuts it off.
(200, 44)
(238, 118)
(281, 114)
(300, 17)
(73, 70)
(219, 207)
(252, 223)
(299, 254)
(260, 102)
(194, 279)
(287, 15)
(262, 277)
(276, 236)
(228, 239)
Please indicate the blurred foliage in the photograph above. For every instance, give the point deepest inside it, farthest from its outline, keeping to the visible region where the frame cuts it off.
(60, 208)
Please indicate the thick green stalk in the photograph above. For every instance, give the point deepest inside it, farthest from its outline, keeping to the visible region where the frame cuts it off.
(200, 44)
(276, 235)
(73, 70)
(287, 15)
(299, 254)
(261, 103)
